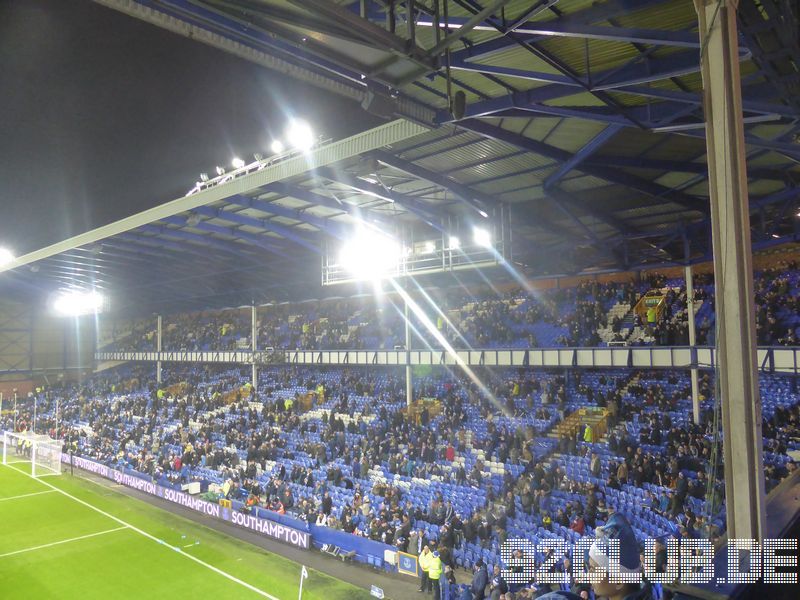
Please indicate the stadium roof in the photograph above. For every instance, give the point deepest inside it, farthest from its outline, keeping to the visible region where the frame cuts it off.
(583, 118)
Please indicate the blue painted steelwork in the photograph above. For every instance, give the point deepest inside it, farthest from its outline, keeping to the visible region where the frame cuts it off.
(167, 248)
(301, 193)
(427, 213)
(195, 238)
(481, 203)
(588, 149)
(612, 175)
(234, 217)
(284, 211)
(259, 240)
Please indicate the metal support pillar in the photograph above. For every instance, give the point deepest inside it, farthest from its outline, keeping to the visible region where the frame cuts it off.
(733, 270)
(15, 410)
(409, 380)
(254, 345)
(692, 343)
(158, 349)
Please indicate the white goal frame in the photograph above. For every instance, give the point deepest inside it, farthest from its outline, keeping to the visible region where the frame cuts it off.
(41, 452)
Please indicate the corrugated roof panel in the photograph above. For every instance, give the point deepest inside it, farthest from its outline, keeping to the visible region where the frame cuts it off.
(516, 163)
(676, 15)
(442, 145)
(461, 154)
(602, 55)
(764, 187)
(773, 159)
(582, 183)
(675, 180)
(572, 134)
(517, 57)
(676, 145)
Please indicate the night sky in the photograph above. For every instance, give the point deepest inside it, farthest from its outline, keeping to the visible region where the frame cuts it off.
(103, 115)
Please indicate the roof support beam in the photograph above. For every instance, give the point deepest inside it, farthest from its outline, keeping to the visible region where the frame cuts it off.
(411, 204)
(233, 217)
(196, 238)
(364, 29)
(306, 195)
(588, 149)
(169, 249)
(481, 203)
(468, 25)
(258, 240)
(284, 211)
(574, 21)
(611, 175)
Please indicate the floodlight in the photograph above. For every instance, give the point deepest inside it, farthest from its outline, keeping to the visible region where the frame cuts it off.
(430, 247)
(455, 243)
(299, 135)
(6, 257)
(370, 254)
(276, 146)
(258, 157)
(220, 170)
(237, 163)
(482, 237)
(203, 177)
(73, 303)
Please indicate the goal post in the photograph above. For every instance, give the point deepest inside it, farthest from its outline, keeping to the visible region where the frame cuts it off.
(40, 454)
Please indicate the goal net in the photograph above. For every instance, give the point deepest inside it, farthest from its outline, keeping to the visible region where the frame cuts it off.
(37, 453)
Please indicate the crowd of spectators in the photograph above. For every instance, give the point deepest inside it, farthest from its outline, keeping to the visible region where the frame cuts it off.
(461, 480)
(512, 318)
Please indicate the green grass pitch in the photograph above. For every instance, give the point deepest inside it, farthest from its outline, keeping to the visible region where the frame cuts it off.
(66, 537)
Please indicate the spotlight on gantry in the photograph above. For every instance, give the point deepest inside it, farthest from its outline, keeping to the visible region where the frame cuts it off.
(482, 237)
(299, 135)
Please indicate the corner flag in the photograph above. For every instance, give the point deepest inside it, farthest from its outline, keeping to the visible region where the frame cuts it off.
(303, 575)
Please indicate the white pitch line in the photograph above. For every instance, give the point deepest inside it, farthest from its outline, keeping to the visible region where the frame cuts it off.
(75, 539)
(152, 537)
(26, 495)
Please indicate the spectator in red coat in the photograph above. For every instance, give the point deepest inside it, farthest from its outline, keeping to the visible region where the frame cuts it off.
(450, 453)
(578, 525)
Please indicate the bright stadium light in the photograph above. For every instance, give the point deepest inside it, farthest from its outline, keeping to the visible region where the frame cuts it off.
(370, 255)
(203, 177)
(299, 135)
(6, 257)
(276, 146)
(73, 303)
(430, 247)
(220, 170)
(237, 163)
(455, 243)
(482, 237)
